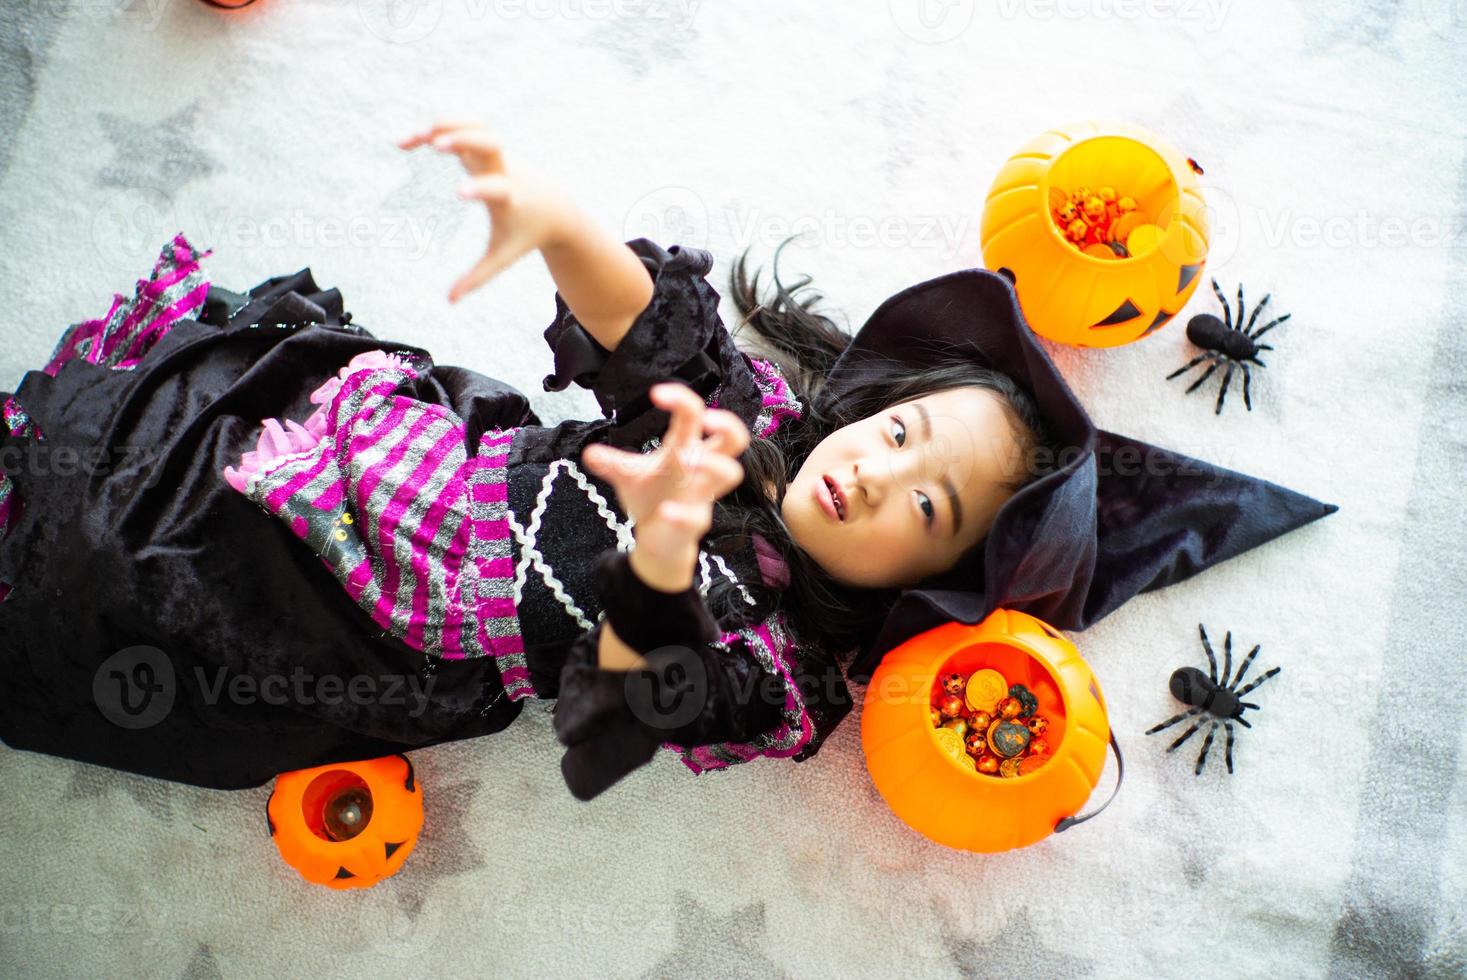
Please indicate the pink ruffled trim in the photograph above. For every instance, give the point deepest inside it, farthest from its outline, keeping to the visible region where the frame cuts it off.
(276, 441)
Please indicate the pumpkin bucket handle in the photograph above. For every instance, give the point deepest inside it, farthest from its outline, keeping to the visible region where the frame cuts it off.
(1069, 822)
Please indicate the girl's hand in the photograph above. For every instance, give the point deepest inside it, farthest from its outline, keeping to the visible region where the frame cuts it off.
(669, 492)
(525, 213)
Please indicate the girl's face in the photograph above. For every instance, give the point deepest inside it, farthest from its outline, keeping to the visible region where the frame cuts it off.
(921, 481)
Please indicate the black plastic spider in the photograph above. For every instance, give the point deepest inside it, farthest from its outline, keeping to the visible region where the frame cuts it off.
(1223, 702)
(1222, 341)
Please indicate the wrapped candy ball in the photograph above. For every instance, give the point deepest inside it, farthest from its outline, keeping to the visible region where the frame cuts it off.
(1038, 746)
(1037, 725)
(953, 684)
(958, 725)
(980, 720)
(1008, 738)
(988, 764)
(1029, 703)
(1010, 707)
(951, 706)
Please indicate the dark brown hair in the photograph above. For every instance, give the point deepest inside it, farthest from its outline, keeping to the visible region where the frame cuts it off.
(822, 612)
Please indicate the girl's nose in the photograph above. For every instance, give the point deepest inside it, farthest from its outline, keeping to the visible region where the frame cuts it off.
(875, 478)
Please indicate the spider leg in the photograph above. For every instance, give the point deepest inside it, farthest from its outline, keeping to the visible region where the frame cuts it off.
(1173, 720)
(1222, 389)
(1248, 704)
(1257, 682)
(1227, 659)
(1206, 745)
(1227, 311)
(1242, 721)
(1205, 375)
(1257, 310)
(1211, 660)
(1228, 725)
(1258, 362)
(1185, 735)
(1239, 324)
(1271, 325)
(1247, 379)
(1243, 668)
(1263, 346)
(1190, 364)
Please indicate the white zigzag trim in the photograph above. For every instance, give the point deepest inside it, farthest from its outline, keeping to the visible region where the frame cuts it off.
(530, 552)
(529, 546)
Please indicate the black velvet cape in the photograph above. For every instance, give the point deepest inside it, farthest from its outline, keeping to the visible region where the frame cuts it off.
(1112, 517)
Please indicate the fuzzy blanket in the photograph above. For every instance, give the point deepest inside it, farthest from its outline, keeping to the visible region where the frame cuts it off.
(1332, 136)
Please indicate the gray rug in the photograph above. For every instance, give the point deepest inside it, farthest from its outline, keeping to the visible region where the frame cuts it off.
(1332, 135)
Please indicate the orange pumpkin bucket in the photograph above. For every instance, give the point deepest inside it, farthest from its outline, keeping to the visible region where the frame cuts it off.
(347, 824)
(1074, 288)
(943, 797)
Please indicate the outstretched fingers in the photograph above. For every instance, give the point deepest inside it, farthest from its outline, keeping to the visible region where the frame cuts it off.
(727, 432)
(436, 130)
(493, 263)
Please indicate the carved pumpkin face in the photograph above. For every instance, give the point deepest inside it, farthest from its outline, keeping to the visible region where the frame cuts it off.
(349, 824)
(939, 795)
(1081, 299)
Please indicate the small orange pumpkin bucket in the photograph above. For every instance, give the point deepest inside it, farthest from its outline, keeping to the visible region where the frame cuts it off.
(347, 824)
(943, 797)
(1068, 294)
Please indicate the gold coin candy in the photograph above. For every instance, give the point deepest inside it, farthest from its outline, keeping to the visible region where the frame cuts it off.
(1102, 223)
(968, 726)
(985, 689)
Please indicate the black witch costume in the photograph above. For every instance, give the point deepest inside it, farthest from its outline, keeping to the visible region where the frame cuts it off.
(191, 595)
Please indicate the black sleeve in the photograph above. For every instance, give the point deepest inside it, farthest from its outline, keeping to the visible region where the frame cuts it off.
(678, 337)
(702, 686)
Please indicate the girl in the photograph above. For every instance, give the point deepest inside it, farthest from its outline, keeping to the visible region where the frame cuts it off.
(245, 536)
(688, 571)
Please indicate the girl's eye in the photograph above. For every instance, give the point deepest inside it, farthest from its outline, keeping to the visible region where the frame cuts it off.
(927, 507)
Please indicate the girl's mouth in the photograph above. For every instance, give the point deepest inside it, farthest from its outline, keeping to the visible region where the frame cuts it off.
(830, 498)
